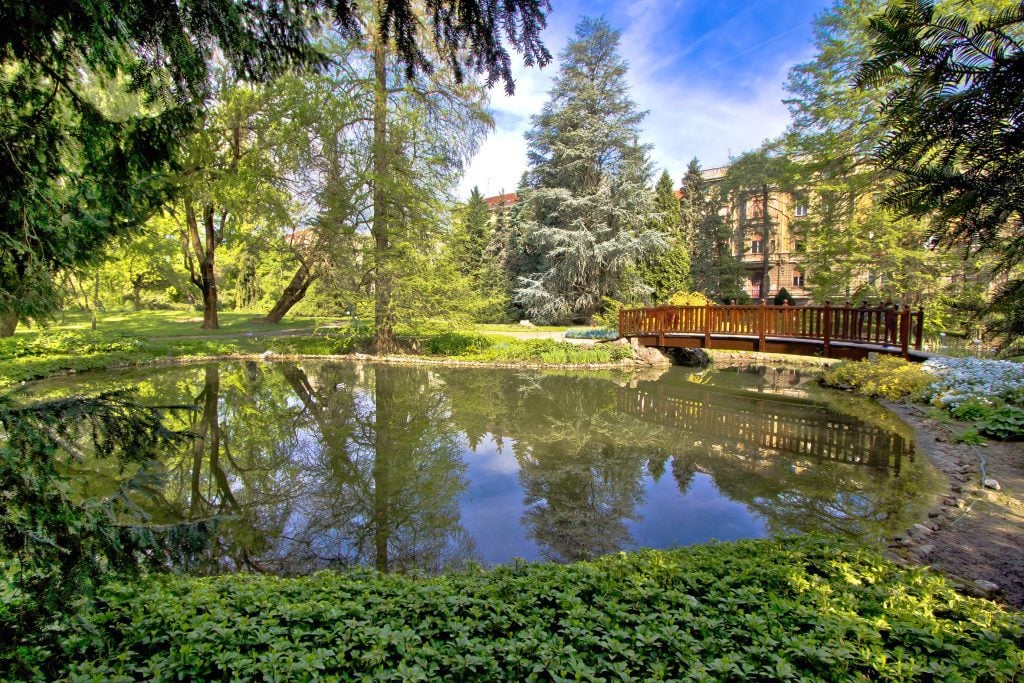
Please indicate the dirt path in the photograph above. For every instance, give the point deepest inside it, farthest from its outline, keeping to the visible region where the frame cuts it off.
(975, 535)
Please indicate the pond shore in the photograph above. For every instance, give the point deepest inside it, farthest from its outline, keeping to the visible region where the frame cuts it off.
(974, 535)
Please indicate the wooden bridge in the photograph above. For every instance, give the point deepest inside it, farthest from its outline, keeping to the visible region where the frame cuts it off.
(829, 331)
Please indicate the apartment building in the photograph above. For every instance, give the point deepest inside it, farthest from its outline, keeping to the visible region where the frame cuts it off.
(783, 251)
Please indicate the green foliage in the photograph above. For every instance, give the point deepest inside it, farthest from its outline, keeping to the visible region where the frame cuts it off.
(972, 409)
(783, 297)
(608, 315)
(549, 351)
(1003, 422)
(458, 344)
(954, 80)
(716, 269)
(886, 377)
(665, 272)
(54, 547)
(803, 608)
(970, 437)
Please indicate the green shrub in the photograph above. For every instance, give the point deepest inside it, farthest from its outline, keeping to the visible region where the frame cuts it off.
(783, 297)
(683, 298)
(1004, 422)
(885, 377)
(972, 409)
(802, 608)
(458, 344)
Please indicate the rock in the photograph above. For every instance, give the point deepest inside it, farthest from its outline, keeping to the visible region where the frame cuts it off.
(956, 488)
(993, 484)
(652, 356)
(925, 550)
(987, 586)
(526, 323)
(921, 529)
(933, 514)
(961, 503)
(267, 354)
(948, 500)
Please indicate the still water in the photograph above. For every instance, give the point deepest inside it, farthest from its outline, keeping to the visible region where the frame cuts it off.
(314, 464)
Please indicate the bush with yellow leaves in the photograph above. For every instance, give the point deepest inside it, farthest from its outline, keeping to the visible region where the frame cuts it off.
(885, 377)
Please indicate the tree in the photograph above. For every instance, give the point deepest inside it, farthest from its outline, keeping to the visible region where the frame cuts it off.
(589, 208)
(232, 183)
(665, 273)
(424, 128)
(73, 175)
(716, 270)
(853, 246)
(473, 233)
(954, 144)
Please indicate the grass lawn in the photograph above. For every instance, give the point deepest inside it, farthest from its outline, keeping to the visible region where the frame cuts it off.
(176, 324)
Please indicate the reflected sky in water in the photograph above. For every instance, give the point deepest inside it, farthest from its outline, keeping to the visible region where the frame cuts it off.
(311, 465)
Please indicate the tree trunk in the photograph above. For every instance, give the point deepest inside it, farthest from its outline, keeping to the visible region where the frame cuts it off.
(766, 281)
(8, 321)
(292, 294)
(205, 255)
(384, 340)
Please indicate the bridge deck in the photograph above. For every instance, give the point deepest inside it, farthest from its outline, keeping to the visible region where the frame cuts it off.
(832, 332)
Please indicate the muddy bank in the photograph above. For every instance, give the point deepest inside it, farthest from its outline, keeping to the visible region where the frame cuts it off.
(974, 534)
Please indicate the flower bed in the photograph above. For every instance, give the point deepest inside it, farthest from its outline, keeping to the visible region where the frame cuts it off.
(960, 379)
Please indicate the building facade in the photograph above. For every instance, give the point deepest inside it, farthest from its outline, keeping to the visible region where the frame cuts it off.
(781, 254)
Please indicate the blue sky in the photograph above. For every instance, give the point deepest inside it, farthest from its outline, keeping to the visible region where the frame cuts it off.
(709, 73)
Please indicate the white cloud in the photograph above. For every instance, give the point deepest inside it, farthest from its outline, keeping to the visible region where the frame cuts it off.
(694, 109)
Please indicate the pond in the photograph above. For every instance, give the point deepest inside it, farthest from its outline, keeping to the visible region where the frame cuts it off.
(315, 464)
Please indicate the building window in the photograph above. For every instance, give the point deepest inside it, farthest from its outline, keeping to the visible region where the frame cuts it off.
(755, 209)
(800, 211)
(799, 246)
(798, 279)
(757, 247)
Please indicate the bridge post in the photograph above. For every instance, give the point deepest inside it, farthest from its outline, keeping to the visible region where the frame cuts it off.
(661, 326)
(919, 332)
(707, 325)
(826, 324)
(760, 326)
(905, 331)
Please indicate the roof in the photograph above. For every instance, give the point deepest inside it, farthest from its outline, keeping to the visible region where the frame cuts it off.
(501, 200)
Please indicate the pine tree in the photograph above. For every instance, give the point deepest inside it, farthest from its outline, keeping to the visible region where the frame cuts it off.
(473, 234)
(589, 209)
(668, 272)
(716, 270)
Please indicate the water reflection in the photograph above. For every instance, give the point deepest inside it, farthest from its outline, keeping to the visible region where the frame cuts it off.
(316, 465)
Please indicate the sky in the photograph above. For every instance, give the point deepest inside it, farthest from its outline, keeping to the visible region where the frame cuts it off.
(710, 74)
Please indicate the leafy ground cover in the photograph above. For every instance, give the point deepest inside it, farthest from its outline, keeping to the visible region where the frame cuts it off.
(502, 349)
(788, 609)
(989, 393)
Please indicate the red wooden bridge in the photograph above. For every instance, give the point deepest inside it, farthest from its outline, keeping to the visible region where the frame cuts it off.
(829, 331)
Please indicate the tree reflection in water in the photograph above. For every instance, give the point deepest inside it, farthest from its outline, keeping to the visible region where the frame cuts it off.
(318, 465)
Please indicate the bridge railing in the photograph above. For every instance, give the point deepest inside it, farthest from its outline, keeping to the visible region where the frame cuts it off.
(882, 325)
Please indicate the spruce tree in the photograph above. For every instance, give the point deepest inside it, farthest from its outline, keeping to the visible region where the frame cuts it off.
(473, 233)
(716, 270)
(588, 212)
(665, 273)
